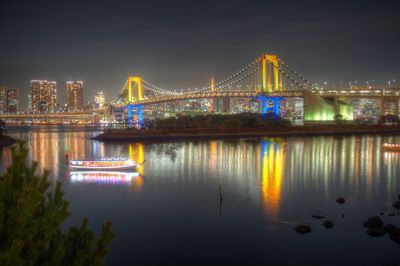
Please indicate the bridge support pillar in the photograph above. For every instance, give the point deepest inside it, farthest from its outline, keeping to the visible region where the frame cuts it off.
(134, 109)
(270, 105)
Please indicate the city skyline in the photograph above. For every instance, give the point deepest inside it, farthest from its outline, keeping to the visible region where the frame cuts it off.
(334, 43)
(62, 97)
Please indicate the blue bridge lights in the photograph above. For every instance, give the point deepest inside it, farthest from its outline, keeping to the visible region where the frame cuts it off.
(270, 104)
(134, 109)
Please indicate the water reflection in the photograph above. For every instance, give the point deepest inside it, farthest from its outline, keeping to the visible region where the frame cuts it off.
(267, 171)
(271, 170)
(103, 177)
(136, 154)
(272, 157)
(264, 182)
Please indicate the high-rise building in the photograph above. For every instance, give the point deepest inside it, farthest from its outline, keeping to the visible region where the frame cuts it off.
(100, 100)
(75, 95)
(89, 106)
(43, 96)
(3, 99)
(29, 103)
(12, 101)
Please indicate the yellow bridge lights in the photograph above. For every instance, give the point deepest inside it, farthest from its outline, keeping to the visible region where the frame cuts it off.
(138, 82)
(212, 87)
(271, 78)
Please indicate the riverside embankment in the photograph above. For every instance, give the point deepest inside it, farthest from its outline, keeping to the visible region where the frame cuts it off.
(199, 133)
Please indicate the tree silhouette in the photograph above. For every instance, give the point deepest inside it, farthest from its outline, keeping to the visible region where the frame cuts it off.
(31, 214)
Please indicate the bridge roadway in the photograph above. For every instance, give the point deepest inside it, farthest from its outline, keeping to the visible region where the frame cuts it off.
(386, 94)
(217, 94)
(59, 117)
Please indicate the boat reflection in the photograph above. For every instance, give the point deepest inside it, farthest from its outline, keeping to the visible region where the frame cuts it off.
(103, 177)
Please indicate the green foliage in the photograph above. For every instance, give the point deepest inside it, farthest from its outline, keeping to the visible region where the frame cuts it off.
(31, 215)
(216, 121)
(338, 119)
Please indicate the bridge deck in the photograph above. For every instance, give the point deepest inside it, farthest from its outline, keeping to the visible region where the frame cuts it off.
(206, 95)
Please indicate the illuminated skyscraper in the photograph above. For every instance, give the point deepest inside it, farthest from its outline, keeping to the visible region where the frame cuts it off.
(3, 99)
(29, 102)
(75, 95)
(12, 101)
(100, 99)
(43, 96)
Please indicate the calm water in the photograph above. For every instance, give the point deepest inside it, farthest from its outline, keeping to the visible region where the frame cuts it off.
(169, 211)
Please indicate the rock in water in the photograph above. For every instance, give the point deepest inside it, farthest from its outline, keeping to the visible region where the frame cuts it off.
(388, 228)
(396, 204)
(395, 235)
(341, 200)
(303, 229)
(376, 232)
(374, 222)
(328, 224)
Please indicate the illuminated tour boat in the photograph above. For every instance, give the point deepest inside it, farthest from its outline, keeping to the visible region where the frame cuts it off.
(391, 147)
(108, 164)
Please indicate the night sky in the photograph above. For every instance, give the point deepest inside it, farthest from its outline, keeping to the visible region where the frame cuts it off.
(181, 44)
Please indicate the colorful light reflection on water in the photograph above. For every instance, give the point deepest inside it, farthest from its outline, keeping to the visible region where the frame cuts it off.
(171, 202)
(103, 177)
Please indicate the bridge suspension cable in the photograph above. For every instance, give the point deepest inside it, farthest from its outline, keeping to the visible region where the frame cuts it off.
(285, 65)
(122, 91)
(238, 80)
(219, 85)
(251, 77)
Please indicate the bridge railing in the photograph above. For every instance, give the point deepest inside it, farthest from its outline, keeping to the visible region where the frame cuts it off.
(358, 93)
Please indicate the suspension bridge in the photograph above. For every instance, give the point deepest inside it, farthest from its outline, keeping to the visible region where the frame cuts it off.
(262, 79)
(269, 80)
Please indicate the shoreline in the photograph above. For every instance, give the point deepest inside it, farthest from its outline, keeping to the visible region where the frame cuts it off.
(201, 134)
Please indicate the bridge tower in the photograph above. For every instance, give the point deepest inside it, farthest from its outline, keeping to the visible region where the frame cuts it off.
(133, 106)
(271, 77)
(271, 82)
(138, 82)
